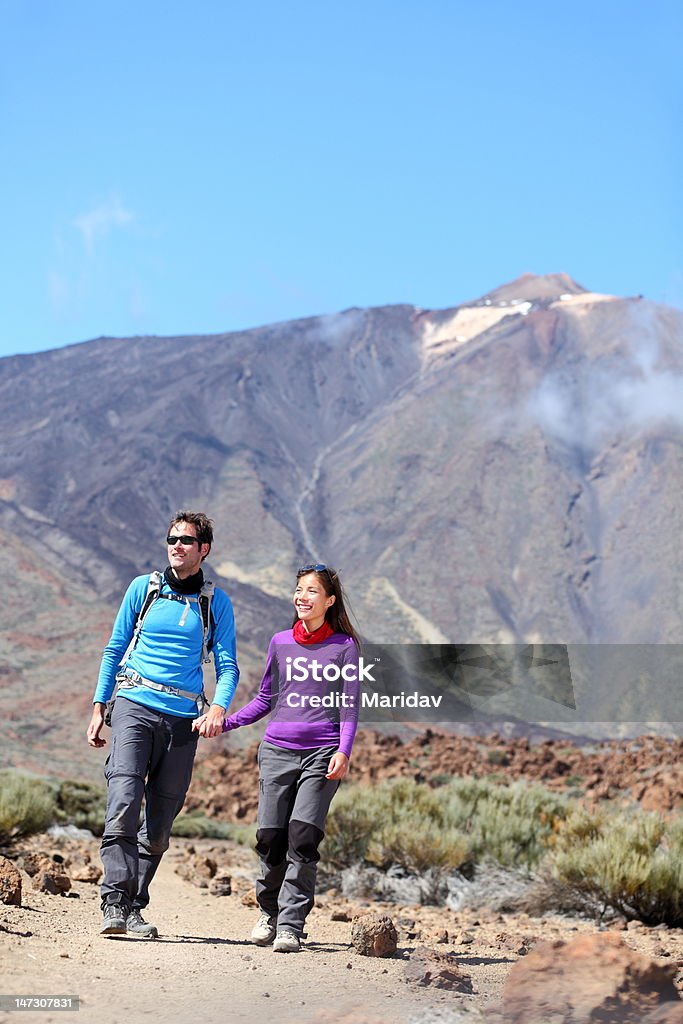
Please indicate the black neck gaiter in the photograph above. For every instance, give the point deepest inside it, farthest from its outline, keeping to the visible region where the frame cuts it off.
(190, 585)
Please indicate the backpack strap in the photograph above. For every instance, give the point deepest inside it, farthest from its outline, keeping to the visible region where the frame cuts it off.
(154, 584)
(153, 592)
(205, 597)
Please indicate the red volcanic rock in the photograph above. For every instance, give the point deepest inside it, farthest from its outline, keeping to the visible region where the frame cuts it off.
(593, 978)
(82, 872)
(374, 935)
(663, 793)
(10, 883)
(220, 885)
(649, 770)
(428, 967)
(51, 878)
(198, 869)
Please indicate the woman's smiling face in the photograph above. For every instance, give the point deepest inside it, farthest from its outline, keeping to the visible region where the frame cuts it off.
(311, 601)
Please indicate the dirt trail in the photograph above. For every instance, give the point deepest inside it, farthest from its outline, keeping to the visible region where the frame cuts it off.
(201, 969)
(204, 970)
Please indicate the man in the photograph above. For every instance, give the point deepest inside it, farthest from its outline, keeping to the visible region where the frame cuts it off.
(160, 683)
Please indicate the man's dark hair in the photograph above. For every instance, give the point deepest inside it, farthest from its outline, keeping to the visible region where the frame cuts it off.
(201, 522)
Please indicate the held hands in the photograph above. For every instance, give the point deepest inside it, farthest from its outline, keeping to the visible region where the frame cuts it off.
(95, 727)
(210, 724)
(338, 766)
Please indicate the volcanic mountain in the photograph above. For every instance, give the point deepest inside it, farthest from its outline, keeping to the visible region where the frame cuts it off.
(510, 469)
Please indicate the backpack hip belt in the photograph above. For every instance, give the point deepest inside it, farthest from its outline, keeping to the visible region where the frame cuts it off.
(128, 679)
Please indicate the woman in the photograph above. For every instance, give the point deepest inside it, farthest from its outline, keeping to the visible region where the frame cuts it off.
(311, 684)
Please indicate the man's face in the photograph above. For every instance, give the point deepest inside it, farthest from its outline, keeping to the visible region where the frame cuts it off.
(185, 559)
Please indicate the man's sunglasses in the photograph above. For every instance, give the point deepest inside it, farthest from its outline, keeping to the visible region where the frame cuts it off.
(318, 567)
(185, 540)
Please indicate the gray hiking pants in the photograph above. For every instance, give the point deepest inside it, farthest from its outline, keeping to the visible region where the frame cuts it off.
(151, 756)
(294, 798)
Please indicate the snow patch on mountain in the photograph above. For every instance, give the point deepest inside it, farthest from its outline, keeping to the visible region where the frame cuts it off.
(441, 338)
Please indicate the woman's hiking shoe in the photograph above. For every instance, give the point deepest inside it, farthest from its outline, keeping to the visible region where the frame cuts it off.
(264, 930)
(286, 941)
(114, 920)
(136, 925)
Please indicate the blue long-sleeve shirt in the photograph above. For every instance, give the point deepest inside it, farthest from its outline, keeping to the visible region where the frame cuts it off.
(169, 650)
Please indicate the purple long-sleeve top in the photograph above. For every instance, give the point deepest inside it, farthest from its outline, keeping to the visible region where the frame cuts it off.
(312, 691)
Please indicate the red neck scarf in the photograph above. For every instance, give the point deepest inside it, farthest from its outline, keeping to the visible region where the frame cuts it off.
(302, 636)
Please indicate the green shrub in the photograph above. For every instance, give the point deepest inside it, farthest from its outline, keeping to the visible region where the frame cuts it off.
(195, 825)
(245, 835)
(82, 804)
(402, 798)
(362, 814)
(348, 831)
(592, 861)
(410, 824)
(581, 825)
(512, 825)
(397, 823)
(418, 846)
(631, 863)
(27, 805)
(497, 756)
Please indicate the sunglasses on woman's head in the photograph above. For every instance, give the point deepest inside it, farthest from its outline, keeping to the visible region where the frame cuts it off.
(185, 540)
(318, 567)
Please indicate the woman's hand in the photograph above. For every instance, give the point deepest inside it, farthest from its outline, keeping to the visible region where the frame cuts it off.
(338, 766)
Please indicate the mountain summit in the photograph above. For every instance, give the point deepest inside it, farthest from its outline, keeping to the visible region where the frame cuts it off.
(534, 287)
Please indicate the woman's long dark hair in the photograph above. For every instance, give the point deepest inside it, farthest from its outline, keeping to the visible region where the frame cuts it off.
(336, 614)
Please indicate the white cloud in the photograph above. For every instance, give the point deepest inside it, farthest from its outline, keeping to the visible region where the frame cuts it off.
(598, 403)
(98, 222)
(340, 327)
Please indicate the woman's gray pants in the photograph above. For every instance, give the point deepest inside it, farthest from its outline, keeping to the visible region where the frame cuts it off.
(151, 756)
(294, 798)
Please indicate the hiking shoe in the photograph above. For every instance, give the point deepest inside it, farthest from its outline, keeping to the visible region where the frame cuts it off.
(114, 920)
(264, 930)
(286, 941)
(136, 925)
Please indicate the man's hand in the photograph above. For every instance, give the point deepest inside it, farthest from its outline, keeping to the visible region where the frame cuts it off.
(338, 766)
(210, 724)
(95, 727)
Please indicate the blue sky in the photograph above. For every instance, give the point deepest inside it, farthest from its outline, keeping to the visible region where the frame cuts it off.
(175, 169)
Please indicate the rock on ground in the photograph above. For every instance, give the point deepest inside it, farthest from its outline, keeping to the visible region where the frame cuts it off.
(589, 979)
(51, 878)
(438, 970)
(374, 935)
(10, 883)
